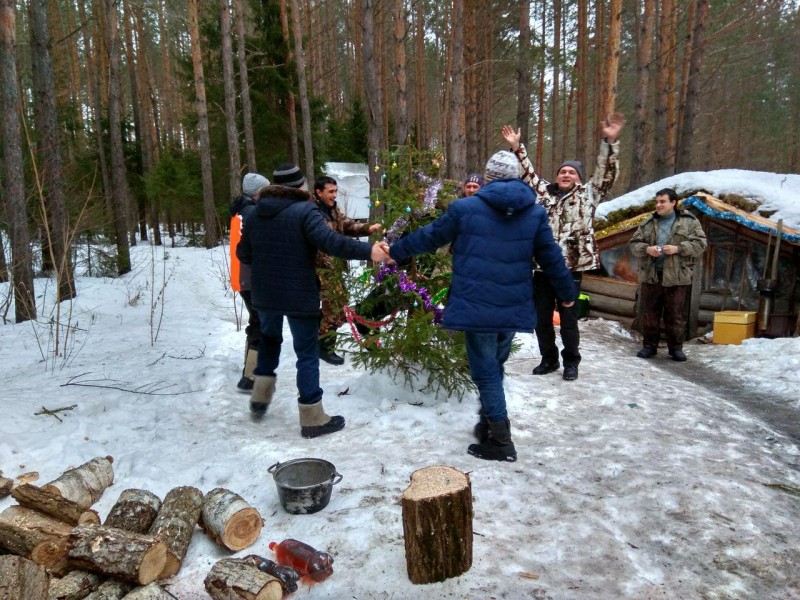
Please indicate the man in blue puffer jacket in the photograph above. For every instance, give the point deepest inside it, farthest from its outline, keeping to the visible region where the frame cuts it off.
(280, 239)
(495, 236)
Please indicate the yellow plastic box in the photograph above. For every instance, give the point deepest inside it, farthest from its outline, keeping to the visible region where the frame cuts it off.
(733, 326)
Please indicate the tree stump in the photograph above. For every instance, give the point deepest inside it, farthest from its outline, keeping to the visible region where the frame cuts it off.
(175, 523)
(110, 590)
(229, 520)
(121, 554)
(234, 579)
(134, 511)
(437, 524)
(21, 579)
(74, 585)
(85, 484)
(54, 504)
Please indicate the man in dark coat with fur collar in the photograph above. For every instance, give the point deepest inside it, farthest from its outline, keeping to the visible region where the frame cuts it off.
(280, 241)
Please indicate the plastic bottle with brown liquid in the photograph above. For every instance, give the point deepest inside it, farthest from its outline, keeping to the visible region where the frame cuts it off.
(304, 559)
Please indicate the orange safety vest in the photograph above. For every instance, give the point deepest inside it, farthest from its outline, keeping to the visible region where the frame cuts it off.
(236, 235)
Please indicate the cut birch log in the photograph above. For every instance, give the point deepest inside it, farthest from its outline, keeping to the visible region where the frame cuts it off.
(54, 504)
(175, 523)
(85, 484)
(117, 553)
(437, 524)
(236, 579)
(229, 520)
(135, 511)
(22, 579)
(151, 591)
(74, 586)
(110, 590)
(23, 529)
(6, 486)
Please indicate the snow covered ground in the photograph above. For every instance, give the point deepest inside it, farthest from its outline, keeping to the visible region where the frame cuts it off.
(642, 479)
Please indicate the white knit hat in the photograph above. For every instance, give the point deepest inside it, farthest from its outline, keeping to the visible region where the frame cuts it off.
(252, 182)
(502, 165)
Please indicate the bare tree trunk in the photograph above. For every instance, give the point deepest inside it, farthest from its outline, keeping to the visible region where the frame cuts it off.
(691, 18)
(639, 167)
(612, 58)
(672, 61)
(302, 88)
(244, 82)
(599, 52)
(456, 154)
(400, 77)
(540, 117)
(382, 53)
(486, 109)
(166, 77)
(138, 120)
(662, 90)
(234, 185)
(581, 117)
(52, 172)
(421, 95)
(290, 99)
(555, 156)
(210, 213)
(374, 107)
(358, 30)
(471, 87)
(13, 175)
(119, 177)
(523, 69)
(684, 158)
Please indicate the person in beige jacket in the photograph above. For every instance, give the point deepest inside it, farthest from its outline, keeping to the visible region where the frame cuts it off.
(667, 244)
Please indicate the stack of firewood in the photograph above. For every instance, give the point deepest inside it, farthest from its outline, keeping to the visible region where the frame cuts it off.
(54, 546)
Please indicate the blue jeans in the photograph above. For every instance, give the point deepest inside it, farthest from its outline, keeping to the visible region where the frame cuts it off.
(306, 348)
(487, 353)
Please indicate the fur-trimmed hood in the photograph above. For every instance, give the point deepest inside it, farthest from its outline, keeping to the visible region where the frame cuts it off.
(276, 198)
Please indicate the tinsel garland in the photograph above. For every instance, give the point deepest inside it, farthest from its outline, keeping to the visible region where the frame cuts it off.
(698, 203)
(428, 204)
(406, 285)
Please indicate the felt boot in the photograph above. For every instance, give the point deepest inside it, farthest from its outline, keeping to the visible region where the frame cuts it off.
(315, 422)
(481, 429)
(250, 361)
(263, 389)
(499, 445)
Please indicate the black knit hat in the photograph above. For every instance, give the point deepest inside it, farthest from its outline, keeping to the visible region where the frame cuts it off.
(289, 175)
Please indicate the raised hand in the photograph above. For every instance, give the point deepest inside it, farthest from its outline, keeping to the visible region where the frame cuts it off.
(612, 125)
(511, 136)
(374, 227)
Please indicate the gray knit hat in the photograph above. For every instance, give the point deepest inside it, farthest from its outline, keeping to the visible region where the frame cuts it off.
(502, 165)
(289, 175)
(252, 182)
(575, 164)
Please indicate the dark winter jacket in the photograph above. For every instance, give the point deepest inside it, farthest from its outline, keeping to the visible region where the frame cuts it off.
(495, 235)
(340, 223)
(280, 240)
(571, 215)
(238, 209)
(687, 234)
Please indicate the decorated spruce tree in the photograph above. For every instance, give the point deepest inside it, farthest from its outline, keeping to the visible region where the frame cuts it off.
(396, 310)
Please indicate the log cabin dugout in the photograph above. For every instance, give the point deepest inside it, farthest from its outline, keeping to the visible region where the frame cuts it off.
(727, 273)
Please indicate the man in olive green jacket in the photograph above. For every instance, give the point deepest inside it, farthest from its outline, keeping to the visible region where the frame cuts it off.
(667, 244)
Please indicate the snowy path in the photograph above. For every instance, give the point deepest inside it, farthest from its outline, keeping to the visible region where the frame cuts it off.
(635, 481)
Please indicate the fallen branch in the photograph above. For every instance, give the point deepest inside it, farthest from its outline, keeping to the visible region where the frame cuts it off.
(52, 411)
(149, 389)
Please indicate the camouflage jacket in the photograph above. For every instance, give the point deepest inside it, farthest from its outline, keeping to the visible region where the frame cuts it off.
(340, 223)
(571, 215)
(687, 234)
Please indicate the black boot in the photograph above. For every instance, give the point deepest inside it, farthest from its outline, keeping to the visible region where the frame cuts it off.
(499, 445)
(314, 421)
(481, 429)
(327, 352)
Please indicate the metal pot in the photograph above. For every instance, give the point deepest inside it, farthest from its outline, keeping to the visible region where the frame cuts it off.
(304, 484)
